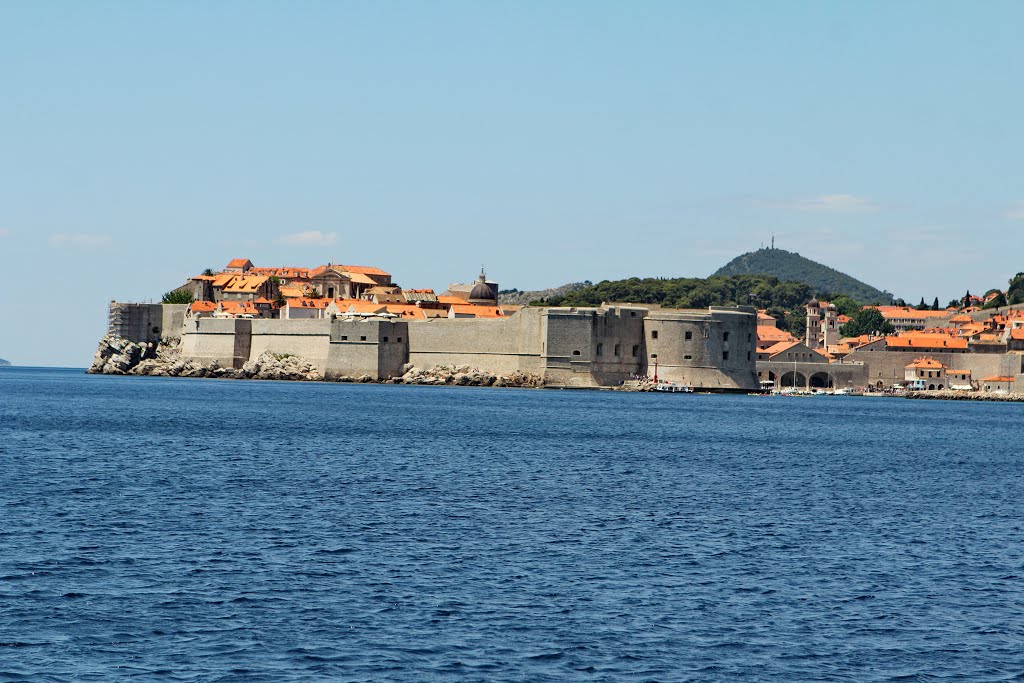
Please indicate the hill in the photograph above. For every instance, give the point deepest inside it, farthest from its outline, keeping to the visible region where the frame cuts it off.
(790, 266)
(4, 363)
(520, 297)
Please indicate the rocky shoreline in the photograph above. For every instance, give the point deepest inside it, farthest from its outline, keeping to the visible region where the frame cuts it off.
(117, 356)
(946, 395)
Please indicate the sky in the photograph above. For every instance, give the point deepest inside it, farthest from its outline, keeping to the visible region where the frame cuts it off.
(550, 142)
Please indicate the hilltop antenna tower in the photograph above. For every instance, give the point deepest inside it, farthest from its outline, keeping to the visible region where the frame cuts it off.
(773, 240)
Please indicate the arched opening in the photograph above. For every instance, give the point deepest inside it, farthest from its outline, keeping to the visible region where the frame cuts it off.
(940, 387)
(931, 387)
(821, 380)
(793, 379)
(879, 385)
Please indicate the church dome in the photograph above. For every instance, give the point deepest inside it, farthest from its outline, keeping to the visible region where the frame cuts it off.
(814, 303)
(481, 292)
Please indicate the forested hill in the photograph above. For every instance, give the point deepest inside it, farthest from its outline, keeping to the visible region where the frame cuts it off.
(4, 363)
(762, 291)
(790, 266)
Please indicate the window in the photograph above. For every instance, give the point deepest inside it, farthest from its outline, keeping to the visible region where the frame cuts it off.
(600, 348)
(385, 338)
(725, 336)
(575, 353)
(399, 340)
(344, 337)
(725, 355)
(618, 349)
(654, 334)
(632, 314)
(748, 355)
(689, 335)
(687, 357)
(654, 355)
(749, 338)
(636, 350)
(363, 338)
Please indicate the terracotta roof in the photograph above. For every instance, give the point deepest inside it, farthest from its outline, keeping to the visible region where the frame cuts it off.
(907, 312)
(926, 363)
(478, 310)
(366, 270)
(998, 378)
(238, 262)
(246, 283)
(309, 303)
(780, 347)
(925, 341)
(203, 306)
(770, 333)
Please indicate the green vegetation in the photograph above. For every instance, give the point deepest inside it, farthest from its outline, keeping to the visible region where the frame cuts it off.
(207, 271)
(867, 321)
(1015, 294)
(177, 296)
(998, 301)
(792, 267)
(761, 291)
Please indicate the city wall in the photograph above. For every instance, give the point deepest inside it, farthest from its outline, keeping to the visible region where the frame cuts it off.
(571, 347)
(889, 367)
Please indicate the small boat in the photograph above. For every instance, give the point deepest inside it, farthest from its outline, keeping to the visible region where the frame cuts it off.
(673, 388)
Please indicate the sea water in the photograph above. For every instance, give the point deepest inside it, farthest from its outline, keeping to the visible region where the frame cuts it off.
(197, 530)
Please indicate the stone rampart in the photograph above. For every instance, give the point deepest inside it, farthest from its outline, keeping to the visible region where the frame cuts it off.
(714, 349)
(500, 346)
(885, 368)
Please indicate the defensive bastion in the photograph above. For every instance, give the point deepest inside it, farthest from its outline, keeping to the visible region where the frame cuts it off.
(565, 347)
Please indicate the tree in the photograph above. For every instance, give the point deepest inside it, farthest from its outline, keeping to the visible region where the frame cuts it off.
(177, 296)
(1015, 294)
(314, 293)
(998, 301)
(935, 304)
(207, 271)
(867, 321)
(921, 306)
(967, 299)
(954, 303)
(846, 305)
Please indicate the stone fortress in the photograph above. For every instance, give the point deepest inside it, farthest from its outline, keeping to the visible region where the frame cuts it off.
(712, 350)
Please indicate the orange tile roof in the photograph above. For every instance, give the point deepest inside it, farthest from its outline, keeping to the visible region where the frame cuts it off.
(450, 300)
(238, 262)
(999, 378)
(309, 303)
(224, 278)
(478, 310)
(926, 363)
(366, 270)
(925, 341)
(246, 283)
(203, 306)
(906, 312)
(780, 347)
(771, 333)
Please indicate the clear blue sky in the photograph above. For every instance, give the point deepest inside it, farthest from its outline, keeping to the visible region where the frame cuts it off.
(551, 141)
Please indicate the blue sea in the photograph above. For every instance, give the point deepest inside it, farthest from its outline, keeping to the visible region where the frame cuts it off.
(202, 530)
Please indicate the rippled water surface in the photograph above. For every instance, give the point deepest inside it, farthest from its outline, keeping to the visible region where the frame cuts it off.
(180, 529)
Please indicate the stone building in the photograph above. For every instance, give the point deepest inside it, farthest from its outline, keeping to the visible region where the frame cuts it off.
(822, 325)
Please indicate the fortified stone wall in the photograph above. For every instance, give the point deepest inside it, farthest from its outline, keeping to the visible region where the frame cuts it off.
(139, 323)
(378, 348)
(308, 339)
(889, 367)
(499, 346)
(715, 349)
(225, 340)
(592, 346)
